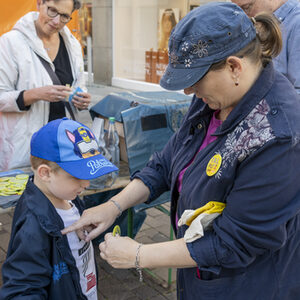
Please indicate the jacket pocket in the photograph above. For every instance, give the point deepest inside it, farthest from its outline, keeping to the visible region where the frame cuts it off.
(224, 288)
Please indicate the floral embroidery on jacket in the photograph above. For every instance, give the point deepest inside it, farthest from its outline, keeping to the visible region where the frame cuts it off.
(251, 134)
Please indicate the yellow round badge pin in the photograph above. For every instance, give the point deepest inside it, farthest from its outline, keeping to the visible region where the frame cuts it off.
(116, 230)
(214, 165)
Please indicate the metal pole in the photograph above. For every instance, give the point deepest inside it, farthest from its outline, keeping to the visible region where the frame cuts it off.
(89, 60)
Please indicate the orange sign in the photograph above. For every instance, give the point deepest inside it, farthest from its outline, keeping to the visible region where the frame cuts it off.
(12, 11)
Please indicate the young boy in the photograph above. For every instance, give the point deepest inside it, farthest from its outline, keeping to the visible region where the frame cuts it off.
(42, 263)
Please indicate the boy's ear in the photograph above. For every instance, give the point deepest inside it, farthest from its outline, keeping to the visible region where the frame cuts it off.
(43, 171)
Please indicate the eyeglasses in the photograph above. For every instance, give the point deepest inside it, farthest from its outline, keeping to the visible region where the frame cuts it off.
(52, 13)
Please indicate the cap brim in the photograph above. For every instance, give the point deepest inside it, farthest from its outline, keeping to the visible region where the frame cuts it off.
(88, 168)
(178, 79)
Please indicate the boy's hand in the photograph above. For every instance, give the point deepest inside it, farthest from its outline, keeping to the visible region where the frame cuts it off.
(93, 221)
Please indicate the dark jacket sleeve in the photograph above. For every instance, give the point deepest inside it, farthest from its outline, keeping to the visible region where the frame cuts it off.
(259, 212)
(27, 271)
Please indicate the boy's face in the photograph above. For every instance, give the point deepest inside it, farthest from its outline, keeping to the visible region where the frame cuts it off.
(63, 186)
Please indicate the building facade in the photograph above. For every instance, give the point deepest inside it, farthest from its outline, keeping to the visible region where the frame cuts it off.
(130, 39)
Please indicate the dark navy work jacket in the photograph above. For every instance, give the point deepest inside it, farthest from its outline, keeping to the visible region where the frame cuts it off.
(39, 263)
(253, 249)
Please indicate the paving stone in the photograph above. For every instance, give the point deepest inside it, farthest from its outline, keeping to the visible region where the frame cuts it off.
(167, 205)
(171, 296)
(163, 273)
(144, 226)
(107, 267)
(110, 286)
(122, 296)
(7, 228)
(5, 219)
(122, 274)
(145, 292)
(150, 232)
(4, 238)
(159, 221)
(131, 298)
(102, 274)
(165, 230)
(101, 297)
(2, 255)
(159, 297)
(159, 237)
(142, 233)
(11, 213)
(132, 283)
(153, 212)
(145, 240)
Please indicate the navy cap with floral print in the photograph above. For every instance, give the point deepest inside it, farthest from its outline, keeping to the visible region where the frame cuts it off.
(206, 35)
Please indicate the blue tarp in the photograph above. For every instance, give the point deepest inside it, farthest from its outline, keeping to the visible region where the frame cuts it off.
(149, 120)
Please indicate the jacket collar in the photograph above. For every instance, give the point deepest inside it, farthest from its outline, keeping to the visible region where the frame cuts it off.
(284, 10)
(42, 208)
(256, 93)
(200, 110)
(26, 26)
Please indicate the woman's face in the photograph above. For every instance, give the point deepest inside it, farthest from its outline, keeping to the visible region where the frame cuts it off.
(216, 89)
(167, 24)
(50, 25)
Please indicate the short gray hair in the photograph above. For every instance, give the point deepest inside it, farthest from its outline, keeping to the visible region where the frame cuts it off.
(76, 3)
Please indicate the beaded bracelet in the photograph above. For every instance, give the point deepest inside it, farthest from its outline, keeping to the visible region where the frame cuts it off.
(117, 206)
(137, 262)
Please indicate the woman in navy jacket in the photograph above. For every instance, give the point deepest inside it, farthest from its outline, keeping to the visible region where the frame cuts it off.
(232, 167)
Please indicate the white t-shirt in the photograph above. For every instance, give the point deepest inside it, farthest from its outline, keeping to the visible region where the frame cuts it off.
(82, 252)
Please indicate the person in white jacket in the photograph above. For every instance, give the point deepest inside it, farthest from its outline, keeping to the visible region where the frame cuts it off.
(28, 97)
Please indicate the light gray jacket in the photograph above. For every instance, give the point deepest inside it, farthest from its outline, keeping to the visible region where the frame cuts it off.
(21, 69)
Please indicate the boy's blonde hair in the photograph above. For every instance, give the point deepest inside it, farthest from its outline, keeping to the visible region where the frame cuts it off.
(36, 162)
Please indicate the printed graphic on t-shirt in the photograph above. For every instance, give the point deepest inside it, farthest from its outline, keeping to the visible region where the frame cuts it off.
(83, 254)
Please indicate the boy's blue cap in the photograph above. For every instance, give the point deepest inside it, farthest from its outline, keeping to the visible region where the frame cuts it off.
(73, 147)
(206, 35)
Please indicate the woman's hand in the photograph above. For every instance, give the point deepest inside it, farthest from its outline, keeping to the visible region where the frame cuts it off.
(94, 221)
(82, 100)
(119, 252)
(50, 93)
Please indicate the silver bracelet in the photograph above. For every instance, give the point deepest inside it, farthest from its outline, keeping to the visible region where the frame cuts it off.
(117, 206)
(137, 262)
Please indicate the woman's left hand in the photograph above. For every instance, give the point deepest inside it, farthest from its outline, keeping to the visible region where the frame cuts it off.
(82, 100)
(119, 251)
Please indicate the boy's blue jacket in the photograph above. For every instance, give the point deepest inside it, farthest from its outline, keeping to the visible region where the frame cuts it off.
(39, 263)
(253, 249)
